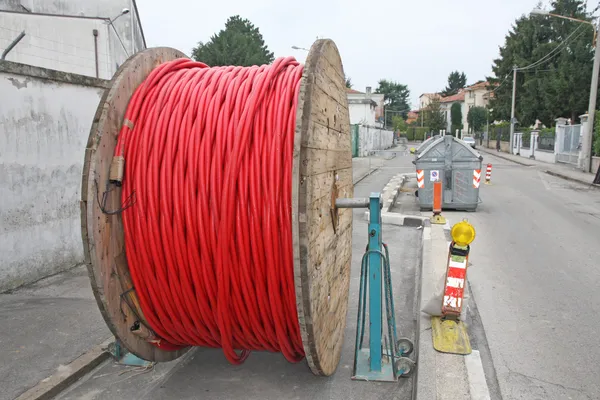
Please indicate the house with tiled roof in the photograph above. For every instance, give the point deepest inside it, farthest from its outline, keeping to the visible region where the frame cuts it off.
(446, 106)
(365, 108)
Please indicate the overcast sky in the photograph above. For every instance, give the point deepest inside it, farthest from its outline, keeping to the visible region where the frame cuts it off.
(415, 42)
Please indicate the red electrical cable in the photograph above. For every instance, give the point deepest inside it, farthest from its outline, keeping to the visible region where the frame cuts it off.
(208, 160)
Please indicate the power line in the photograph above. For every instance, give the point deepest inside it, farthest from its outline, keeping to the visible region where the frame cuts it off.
(554, 52)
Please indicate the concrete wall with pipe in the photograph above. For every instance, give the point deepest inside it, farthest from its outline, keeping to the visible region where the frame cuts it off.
(44, 125)
(373, 139)
(59, 34)
(62, 44)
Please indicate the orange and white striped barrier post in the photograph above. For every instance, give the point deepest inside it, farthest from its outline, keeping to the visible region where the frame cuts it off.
(420, 178)
(463, 234)
(437, 217)
(448, 331)
(476, 178)
(488, 174)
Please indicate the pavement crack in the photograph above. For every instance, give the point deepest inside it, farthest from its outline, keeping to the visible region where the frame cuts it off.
(533, 378)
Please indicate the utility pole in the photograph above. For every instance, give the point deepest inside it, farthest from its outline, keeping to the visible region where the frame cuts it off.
(512, 110)
(585, 155)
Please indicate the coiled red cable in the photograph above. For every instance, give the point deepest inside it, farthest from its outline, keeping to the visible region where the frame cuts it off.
(208, 159)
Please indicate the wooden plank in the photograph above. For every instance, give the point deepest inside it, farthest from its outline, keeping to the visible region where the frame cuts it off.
(324, 137)
(102, 233)
(322, 265)
(319, 161)
(323, 184)
(329, 112)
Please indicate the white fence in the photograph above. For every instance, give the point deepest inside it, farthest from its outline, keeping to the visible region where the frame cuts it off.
(370, 139)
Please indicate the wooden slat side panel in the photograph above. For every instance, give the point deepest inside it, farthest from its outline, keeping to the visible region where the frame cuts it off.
(323, 273)
(102, 233)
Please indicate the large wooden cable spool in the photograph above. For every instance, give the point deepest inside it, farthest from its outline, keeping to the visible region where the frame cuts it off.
(322, 235)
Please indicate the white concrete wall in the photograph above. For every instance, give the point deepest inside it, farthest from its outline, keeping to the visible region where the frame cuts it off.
(545, 156)
(595, 164)
(540, 155)
(362, 114)
(62, 44)
(44, 126)
(370, 139)
(63, 39)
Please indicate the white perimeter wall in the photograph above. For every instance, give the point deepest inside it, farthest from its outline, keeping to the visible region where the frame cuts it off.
(373, 139)
(44, 126)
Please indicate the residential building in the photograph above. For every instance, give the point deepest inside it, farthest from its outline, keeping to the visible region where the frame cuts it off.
(91, 38)
(413, 116)
(477, 95)
(365, 108)
(426, 98)
(446, 107)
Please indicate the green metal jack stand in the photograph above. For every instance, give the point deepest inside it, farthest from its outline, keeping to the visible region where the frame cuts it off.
(384, 360)
(123, 357)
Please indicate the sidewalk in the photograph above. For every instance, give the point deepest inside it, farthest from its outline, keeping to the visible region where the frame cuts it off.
(365, 166)
(564, 171)
(45, 326)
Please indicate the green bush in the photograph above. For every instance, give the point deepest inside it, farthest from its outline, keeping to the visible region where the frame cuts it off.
(500, 130)
(420, 133)
(416, 133)
(596, 137)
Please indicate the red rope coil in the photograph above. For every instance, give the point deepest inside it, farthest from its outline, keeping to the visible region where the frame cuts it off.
(209, 238)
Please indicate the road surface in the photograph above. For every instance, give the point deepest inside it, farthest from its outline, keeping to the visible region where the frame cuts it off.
(535, 278)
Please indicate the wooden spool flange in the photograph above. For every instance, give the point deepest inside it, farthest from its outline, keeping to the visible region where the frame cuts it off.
(322, 172)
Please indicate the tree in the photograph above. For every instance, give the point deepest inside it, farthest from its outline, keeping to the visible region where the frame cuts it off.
(434, 117)
(240, 43)
(557, 85)
(456, 117)
(399, 124)
(349, 83)
(456, 81)
(395, 97)
(477, 117)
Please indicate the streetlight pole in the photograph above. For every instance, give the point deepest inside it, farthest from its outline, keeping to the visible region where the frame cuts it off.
(512, 111)
(585, 156)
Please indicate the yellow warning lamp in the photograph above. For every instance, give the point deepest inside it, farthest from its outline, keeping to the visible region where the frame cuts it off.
(412, 150)
(463, 233)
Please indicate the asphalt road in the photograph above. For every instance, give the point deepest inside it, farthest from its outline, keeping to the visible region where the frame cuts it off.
(535, 278)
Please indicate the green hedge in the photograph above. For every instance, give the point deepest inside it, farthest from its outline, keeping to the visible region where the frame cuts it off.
(416, 133)
(501, 130)
(596, 137)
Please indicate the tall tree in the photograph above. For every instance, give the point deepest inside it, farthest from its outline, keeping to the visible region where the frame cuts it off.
(434, 117)
(557, 86)
(399, 123)
(240, 43)
(476, 118)
(456, 81)
(349, 83)
(395, 97)
(456, 117)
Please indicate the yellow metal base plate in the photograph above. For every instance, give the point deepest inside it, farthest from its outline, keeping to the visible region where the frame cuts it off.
(438, 219)
(450, 336)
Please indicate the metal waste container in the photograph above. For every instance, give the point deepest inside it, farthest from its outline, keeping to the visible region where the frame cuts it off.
(426, 143)
(454, 163)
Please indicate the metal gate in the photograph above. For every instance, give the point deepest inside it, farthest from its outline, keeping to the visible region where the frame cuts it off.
(355, 141)
(568, 140)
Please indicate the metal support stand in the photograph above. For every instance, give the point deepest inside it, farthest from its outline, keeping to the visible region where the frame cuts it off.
(384, 359)
(123, 357)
